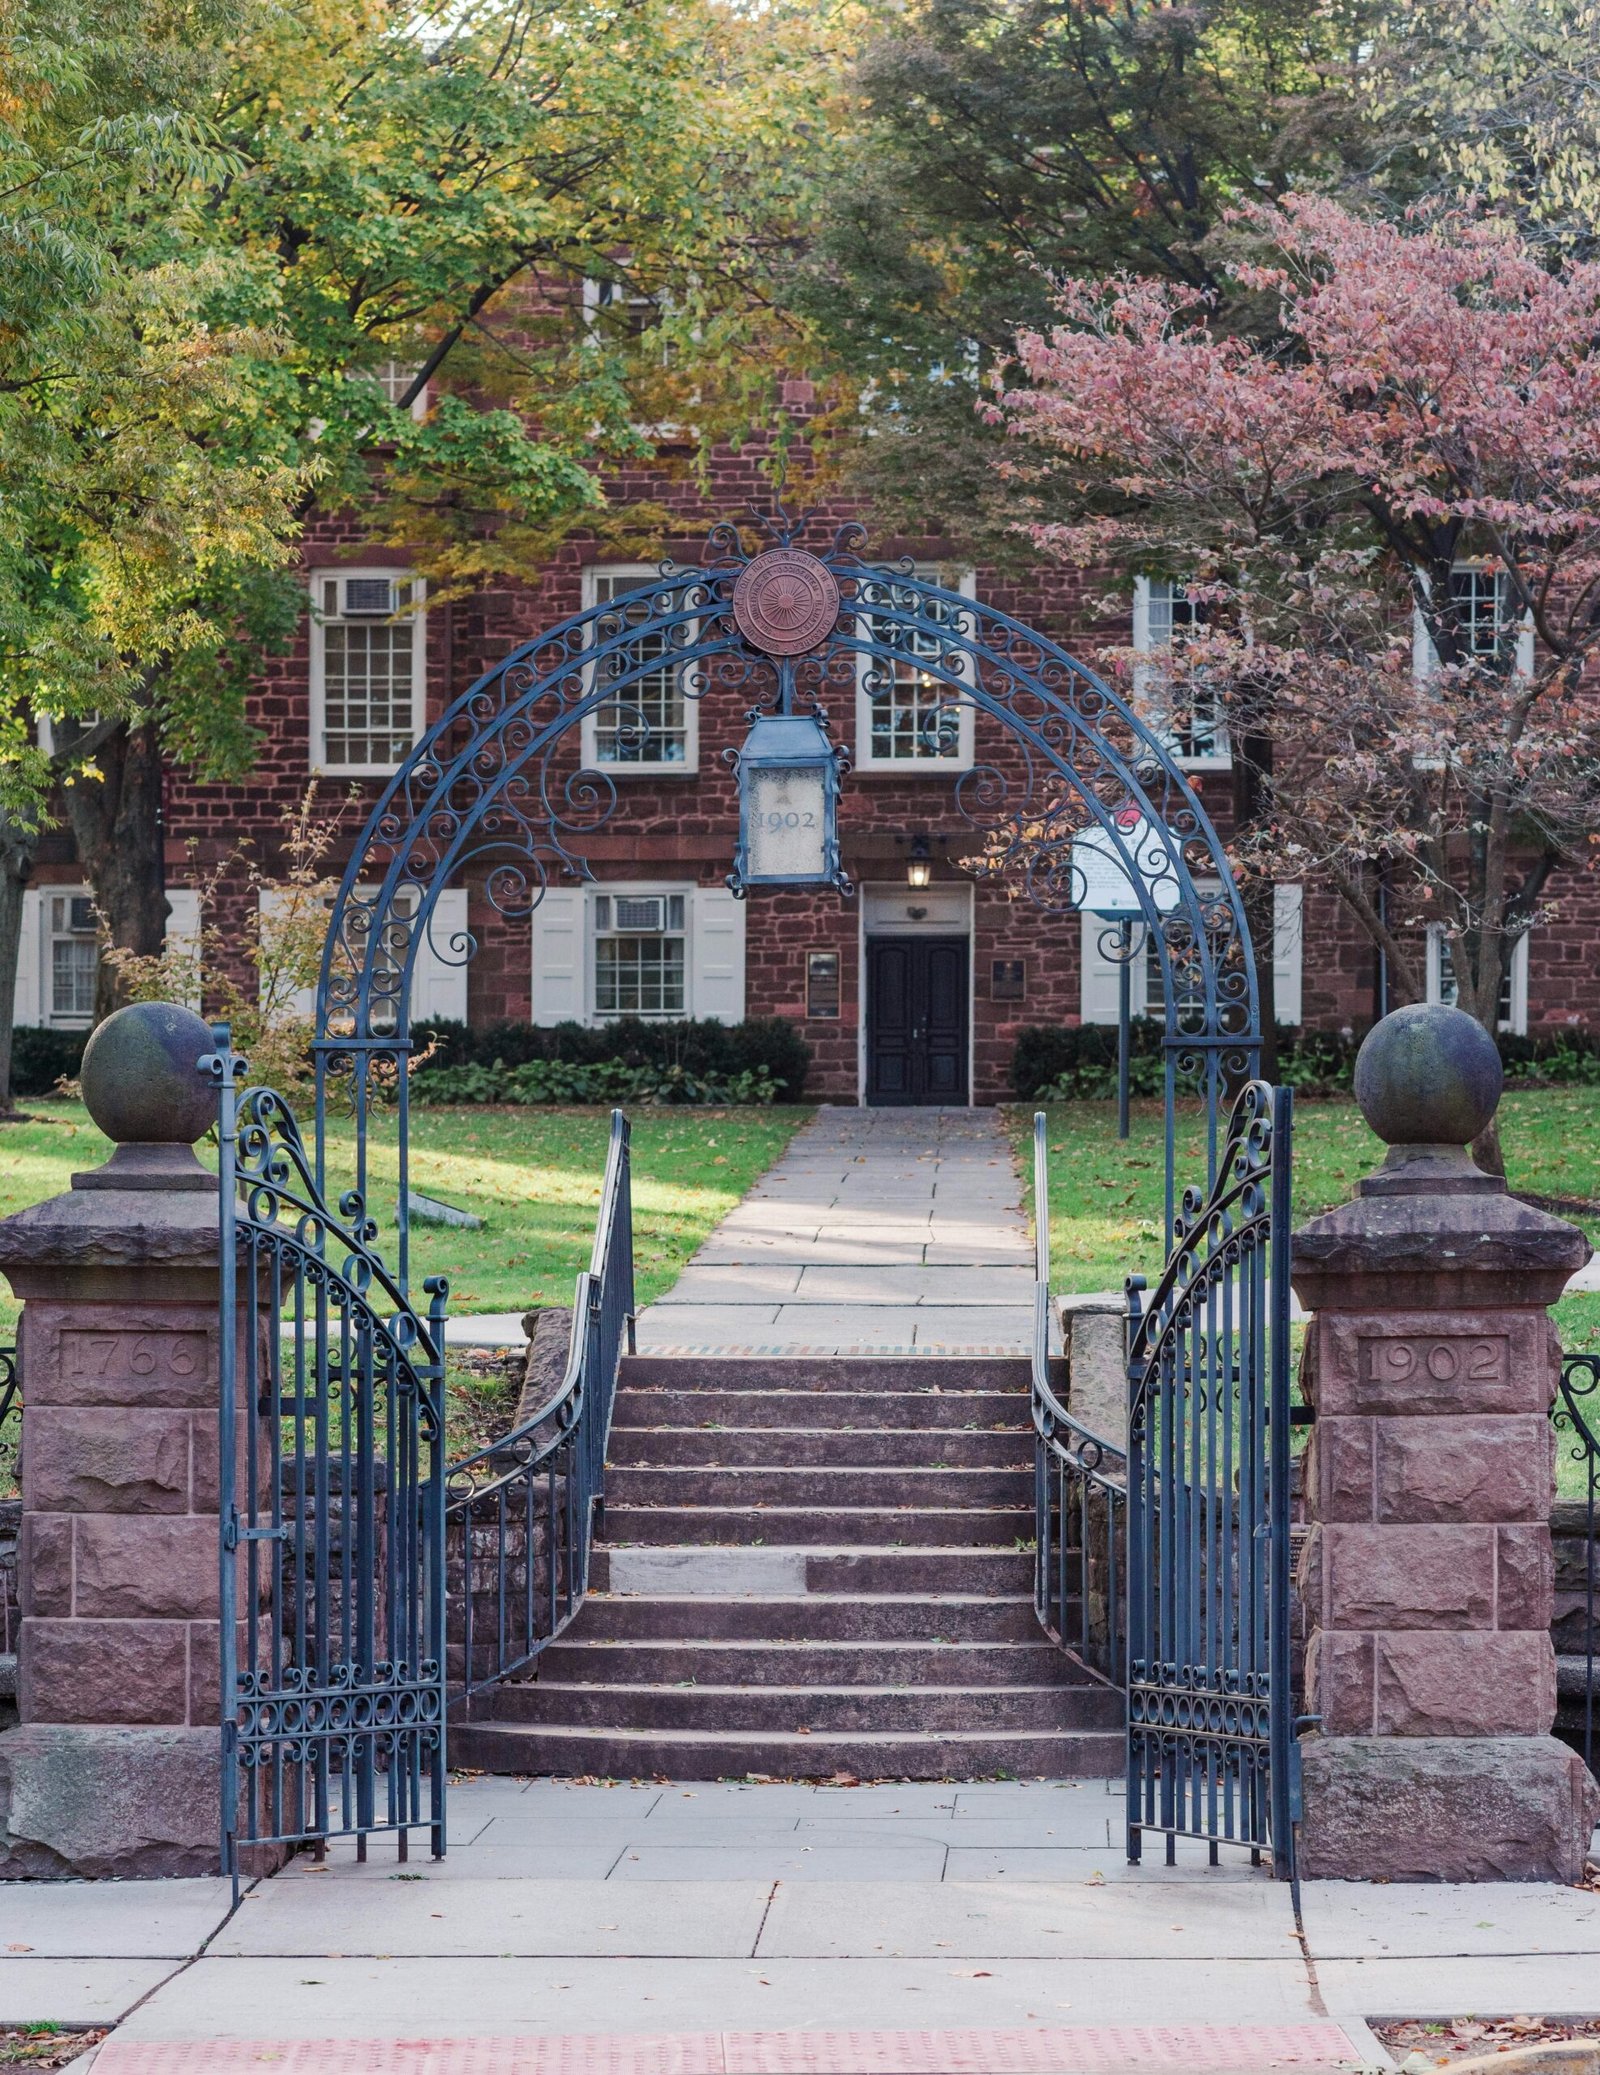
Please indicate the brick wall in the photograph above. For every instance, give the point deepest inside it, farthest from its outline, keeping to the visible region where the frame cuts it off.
(685, 827)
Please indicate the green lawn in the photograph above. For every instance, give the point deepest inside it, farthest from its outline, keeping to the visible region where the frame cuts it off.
(1105, 1195)
(532, 1175)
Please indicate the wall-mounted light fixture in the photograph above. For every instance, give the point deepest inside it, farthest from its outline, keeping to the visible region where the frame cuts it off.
(919, 866)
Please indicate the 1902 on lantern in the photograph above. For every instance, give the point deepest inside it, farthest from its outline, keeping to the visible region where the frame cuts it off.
(788, 805)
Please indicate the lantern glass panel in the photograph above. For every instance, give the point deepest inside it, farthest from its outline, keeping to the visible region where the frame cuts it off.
(786, 822)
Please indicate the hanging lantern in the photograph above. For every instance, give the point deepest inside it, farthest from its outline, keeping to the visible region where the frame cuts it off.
(785, 604)
(788, 805)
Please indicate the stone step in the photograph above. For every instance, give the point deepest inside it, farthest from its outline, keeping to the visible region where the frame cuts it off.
(922, 1448)
(688, 1754)
(729, 1573)
(884, 1710)
(864, 1373)
(751, 1484)
(861, 1410)
(884, 1526)
(817, 1617)
(802, 1662)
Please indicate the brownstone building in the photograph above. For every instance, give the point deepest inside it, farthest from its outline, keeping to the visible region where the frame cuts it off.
(914, 989)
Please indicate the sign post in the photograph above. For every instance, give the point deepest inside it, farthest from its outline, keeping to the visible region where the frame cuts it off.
(1105, 868)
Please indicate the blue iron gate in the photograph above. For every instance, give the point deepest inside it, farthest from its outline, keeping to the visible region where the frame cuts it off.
(332, 1505)
(494, 798)
(1210, 1734)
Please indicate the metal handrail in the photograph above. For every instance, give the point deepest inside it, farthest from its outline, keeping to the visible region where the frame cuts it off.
(1080, 1489)
(522, 1513)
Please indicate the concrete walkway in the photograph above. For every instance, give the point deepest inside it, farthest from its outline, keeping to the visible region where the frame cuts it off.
(661, 1930)
(878, 1232)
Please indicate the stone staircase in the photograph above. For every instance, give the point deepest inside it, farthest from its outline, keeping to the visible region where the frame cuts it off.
(809, 1568)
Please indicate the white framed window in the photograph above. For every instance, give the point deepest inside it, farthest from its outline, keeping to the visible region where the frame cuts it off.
(640, 948)
(617, 311)
(71, 959)
(369, 669)
(46, 725)
(641, 955)
(906, 712)
(651, 725)
(1513, 984)
(1483, 600)
(1196, 732)
(394, 378)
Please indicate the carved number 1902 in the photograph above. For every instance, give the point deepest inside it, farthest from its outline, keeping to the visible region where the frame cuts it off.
(1441, 1361)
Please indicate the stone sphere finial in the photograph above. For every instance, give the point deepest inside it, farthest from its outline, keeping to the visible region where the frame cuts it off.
(140, 1078)
(1428, 1075)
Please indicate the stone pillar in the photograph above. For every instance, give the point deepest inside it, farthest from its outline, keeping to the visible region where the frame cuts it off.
(113, 1768)
(1094, 1339)
(1431, 1362)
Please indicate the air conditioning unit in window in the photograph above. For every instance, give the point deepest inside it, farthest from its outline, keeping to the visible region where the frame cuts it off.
(369, 594)
(81, 920)
(641, 915)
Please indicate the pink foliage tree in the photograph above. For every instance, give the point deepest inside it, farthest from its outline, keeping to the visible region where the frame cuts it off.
(1386, 509)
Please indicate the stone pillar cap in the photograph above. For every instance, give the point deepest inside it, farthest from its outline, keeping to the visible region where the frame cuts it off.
(142, 1085)
(1428, 1080)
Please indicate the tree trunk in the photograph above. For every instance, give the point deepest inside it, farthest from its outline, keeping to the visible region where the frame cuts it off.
(16, 861)
(116, 820)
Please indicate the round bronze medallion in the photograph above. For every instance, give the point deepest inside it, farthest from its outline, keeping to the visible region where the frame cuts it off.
(786, 602)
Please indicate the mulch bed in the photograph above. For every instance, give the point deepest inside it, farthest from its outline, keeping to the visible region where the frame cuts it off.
(1442, 2043)
(43, 2046)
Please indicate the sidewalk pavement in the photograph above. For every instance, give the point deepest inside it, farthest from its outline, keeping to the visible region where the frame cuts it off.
(659, 1930)
(878, 1232)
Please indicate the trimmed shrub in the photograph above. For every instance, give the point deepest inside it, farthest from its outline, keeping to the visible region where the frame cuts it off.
(40, 1058)
(1049, 1065)
(1058, 1065)
(605, 1080)
(702, 1050)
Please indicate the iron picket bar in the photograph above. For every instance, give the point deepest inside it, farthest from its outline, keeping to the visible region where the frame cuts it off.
(522, 1513)
(1080, 1488)
(331, 1438)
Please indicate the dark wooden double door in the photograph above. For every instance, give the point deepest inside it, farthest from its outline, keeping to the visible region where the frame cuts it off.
(917, 997)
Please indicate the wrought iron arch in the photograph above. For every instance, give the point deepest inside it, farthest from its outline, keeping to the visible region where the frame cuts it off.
(493, 788)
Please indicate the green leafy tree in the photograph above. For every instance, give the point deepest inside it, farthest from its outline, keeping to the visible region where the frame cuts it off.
(227, 224)
(990, 144)
(1500, 99)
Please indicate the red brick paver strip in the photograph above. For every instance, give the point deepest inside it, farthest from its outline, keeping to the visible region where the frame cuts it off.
(1042, 2051)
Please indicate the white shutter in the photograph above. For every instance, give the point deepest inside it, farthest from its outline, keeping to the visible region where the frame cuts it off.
(272, 900)
(30, 1004)
(439, 976)
(717, 939)
(1288, 943)
(183, 929)
(558, 958)
(1101, 978)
